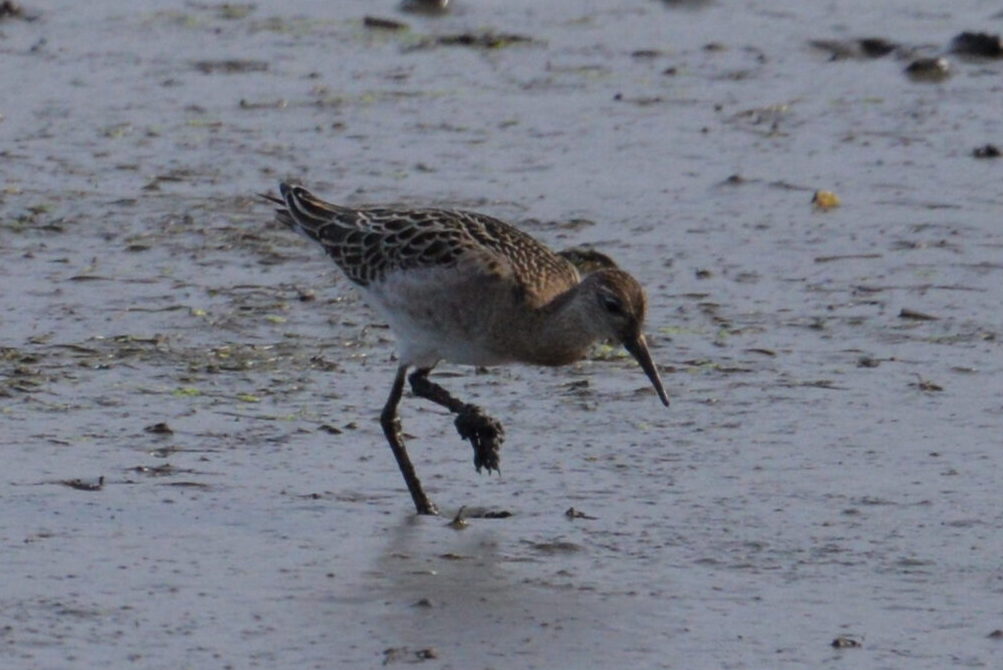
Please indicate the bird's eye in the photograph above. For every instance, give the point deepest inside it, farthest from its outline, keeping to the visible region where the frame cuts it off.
(611, 304)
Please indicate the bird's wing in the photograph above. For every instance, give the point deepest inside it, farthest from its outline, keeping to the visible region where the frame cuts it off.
(369, 243)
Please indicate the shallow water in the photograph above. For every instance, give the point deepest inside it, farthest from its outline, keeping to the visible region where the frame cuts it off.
(829, 467)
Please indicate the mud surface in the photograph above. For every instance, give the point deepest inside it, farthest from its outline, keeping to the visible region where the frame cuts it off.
(195, 476)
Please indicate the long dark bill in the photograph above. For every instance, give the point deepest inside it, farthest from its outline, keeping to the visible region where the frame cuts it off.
(639, 350)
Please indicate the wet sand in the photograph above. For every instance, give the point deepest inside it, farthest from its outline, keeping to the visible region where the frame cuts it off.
(195, 472)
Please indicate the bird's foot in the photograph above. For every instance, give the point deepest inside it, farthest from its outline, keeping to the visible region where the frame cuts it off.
(426, 508)
(485, 434)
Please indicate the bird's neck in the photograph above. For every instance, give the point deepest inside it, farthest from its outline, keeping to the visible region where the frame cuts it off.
(561, 331)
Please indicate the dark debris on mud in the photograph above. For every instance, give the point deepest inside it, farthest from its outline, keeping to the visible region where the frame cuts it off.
(477, 40)
(15, 10)
(865, 47)
(384, 24)
(986, 151)
(925, 65)
(83, 484)
(408, 655)
(160, 428)
(977, 44)
(426, 7)
(573, 514)
(230, 66)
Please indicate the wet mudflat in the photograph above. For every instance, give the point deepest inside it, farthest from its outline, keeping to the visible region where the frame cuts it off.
(195, 476)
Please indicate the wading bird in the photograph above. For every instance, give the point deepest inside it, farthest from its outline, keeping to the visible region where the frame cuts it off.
(470, 289)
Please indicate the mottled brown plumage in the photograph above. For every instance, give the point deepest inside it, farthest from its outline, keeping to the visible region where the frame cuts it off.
(369, 243)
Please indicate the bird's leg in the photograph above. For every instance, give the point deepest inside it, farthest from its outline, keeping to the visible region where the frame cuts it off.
(391, 424)
(485, 433)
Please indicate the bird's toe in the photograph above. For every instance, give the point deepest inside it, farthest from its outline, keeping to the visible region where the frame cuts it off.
(485, 434)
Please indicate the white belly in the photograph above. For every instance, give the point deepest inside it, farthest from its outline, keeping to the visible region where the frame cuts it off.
(443, 314)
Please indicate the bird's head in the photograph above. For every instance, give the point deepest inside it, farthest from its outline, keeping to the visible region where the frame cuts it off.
(618, 312)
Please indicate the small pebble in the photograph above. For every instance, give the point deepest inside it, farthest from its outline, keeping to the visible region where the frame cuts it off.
(929, 70)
